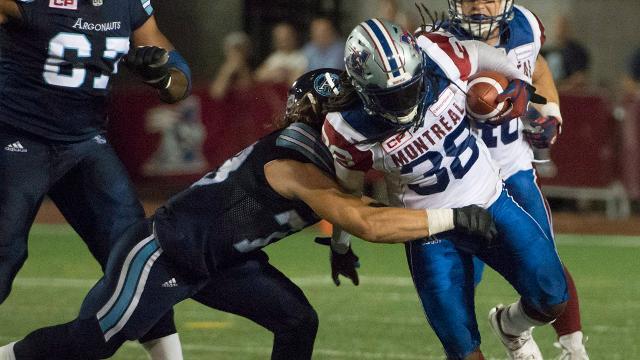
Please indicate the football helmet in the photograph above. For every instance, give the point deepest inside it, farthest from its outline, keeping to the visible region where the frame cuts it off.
(481, 26)
(387, 70)
(316, 86)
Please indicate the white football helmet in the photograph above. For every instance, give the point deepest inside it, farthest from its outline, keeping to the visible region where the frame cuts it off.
(387, 70)
(480, 26)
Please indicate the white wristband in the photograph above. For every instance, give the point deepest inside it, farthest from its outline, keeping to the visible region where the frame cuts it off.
(439, 220)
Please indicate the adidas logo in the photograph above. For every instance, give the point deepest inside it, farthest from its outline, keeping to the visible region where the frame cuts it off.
(15, 147)
(170, 283)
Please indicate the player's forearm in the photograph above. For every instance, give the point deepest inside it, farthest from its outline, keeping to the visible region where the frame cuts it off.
(178, 87)
(391, 225)
(543, 81)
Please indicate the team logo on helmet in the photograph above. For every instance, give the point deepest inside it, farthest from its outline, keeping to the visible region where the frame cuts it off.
(326, 86)
(409, 39)
(356, 61)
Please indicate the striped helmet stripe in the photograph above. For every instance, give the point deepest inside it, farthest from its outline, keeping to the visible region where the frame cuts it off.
(382, 40)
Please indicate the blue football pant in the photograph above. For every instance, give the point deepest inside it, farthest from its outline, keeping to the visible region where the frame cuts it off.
(523, 188)
(443, 274)
(141, 284)
(87, 182)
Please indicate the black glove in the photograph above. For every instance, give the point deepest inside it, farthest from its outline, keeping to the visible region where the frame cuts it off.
(150, 63)
(476, 221)
(342, 264)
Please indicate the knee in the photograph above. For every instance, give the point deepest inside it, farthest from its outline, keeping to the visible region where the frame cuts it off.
(545, 314)
(302, 323)
(554, 311)
(12, 256)
(89, 340)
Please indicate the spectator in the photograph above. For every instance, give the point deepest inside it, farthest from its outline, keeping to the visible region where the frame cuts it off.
(569, 61)
(325, 49)
(287, 62)
(631, 80)
(235, 72)
(390, 10)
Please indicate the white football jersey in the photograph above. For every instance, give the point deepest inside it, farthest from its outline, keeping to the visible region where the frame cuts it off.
(441, 163)
(506, 143)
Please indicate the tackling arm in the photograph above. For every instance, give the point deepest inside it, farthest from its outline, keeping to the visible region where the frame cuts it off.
(180, 76)
(296, 180)
(369, 221)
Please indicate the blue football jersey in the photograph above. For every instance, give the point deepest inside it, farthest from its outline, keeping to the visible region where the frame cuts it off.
(56, 63)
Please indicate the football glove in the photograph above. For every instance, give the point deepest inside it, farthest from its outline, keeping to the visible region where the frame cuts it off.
(150, 63)
(476, 221)
(542, 132)
(517, 95)
(342, 264)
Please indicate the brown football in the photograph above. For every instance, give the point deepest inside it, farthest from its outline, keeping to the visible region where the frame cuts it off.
(482, 90)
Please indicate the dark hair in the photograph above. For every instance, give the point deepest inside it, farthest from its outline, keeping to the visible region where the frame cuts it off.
(302, 112)
(347, 97)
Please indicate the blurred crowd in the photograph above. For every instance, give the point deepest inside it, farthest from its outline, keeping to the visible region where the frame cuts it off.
(291, 56)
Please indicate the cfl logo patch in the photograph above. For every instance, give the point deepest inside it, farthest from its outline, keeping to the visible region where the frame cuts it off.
(64, 4)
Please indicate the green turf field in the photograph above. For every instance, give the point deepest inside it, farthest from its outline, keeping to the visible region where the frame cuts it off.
(380, 319)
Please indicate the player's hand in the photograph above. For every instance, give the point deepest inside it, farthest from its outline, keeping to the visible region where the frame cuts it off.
(150, 63)
(542, 131)
(342, 264)
(517, 96)
(476, 221)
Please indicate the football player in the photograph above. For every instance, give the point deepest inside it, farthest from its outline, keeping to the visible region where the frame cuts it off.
(57, 59)
(205, 243)
(402, 112)
(520, 34)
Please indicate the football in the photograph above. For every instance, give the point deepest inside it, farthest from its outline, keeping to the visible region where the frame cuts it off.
(482, 90)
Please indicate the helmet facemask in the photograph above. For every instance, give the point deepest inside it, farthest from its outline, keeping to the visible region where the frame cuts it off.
(479, 26)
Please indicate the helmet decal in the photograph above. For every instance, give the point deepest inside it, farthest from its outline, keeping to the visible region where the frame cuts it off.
(356, 60)
(327, 84)
(409, 39)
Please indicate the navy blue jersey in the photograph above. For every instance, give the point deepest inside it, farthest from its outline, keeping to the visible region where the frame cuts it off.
(233, 211)
(56, 63)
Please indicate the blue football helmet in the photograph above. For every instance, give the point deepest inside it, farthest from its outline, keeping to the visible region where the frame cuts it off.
(481, 26)
(387, 69)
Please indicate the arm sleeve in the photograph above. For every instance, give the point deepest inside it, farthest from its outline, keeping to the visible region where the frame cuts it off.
(489, 58)
(141, 11)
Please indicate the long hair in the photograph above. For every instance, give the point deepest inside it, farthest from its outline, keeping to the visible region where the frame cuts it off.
(302, 111)
(347, 97)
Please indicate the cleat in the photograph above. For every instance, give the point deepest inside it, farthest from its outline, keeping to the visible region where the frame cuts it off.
(572, 346)
(521, 347)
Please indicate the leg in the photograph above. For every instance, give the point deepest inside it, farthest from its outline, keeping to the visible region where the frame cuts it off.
(24, 180)
(96, 197)
(261, 293)
(98, 200)
(122, 306)
(528, 260)
(524, 189)
(443, 276)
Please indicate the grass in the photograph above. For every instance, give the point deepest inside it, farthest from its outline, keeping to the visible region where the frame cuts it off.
(380, 319)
